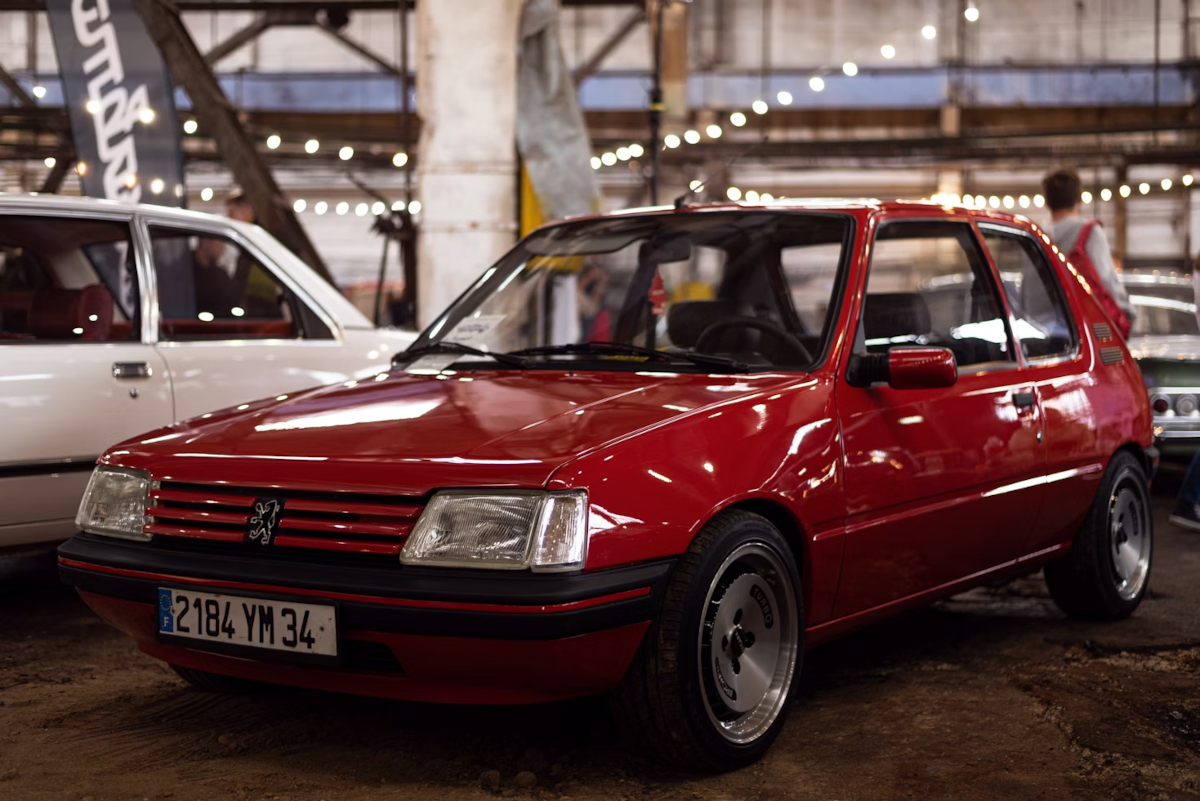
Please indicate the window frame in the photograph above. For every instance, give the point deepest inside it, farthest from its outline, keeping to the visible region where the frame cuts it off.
(142, 267)
(868, 259)
(1039, 246)
(218, 229)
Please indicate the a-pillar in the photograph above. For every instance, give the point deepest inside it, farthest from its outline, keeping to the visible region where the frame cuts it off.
(467, 163)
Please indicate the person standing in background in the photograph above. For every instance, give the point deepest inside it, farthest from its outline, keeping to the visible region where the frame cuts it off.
(1063, 189)
(237, 207)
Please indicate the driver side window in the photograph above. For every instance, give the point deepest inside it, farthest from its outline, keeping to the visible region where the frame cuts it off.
(930, 285)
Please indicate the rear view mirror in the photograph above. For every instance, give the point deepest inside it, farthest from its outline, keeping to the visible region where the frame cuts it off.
(921, 368)
(905, 368)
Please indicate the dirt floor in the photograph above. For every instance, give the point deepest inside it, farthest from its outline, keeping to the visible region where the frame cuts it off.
(992, 694)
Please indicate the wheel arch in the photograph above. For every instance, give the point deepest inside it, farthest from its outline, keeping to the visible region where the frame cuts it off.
(792, 530)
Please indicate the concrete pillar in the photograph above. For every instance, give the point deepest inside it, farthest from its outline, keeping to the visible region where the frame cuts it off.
(467, 162)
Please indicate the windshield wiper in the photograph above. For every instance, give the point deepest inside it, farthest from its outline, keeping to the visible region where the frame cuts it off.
(583, 348)
(510, 359)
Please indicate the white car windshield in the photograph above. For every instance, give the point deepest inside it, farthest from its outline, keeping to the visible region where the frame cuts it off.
(757, 289)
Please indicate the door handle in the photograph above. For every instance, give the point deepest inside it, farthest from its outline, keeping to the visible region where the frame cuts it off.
(125, 370)
(1023, 400)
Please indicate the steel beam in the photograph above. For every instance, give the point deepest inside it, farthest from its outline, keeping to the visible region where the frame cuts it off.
(355, 47)
(190, 71)
(596, 60)
(255, 29)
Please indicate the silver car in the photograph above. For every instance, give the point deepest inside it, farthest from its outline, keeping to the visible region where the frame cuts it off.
(1166, 342)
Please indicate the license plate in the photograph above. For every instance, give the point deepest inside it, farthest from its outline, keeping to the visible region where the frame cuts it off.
(236, 622)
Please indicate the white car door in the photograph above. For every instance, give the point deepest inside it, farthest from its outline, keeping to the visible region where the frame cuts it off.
(76, 373)
(234, 326)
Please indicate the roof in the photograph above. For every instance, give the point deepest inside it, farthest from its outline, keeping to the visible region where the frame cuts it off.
(34, 200)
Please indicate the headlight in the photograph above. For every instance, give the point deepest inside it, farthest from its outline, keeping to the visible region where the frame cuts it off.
(511, 530)
(115, 503)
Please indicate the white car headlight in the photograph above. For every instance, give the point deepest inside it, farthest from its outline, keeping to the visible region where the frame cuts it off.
(501, 530)
(115, 503)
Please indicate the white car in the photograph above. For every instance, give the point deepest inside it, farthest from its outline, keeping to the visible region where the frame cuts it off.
(117, 319)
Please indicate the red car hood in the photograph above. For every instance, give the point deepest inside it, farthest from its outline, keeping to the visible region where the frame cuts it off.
(408, 434)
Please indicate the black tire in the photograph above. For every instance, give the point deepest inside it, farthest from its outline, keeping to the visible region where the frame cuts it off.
(1094, 580)
(672, 707)
(215, 682)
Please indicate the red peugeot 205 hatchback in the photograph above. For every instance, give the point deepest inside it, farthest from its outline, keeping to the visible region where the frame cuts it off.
(657, 454)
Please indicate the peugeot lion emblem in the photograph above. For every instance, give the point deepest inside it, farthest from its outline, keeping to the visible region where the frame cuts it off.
(265, 521)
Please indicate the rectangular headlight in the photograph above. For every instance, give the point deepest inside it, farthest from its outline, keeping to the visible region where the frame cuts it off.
(501, 530)
(115, 503)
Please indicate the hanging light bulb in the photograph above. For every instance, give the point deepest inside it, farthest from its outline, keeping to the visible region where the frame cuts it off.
(1106, 194)
(784, 97)
(759, 107)
(887, 51)
(733, 193)
(691, 137)
(816, 83)
(929, 32)
(850, 68)
(671, 140)
(713, 131)
(311, 146)
(1125, 190)
(737, 119)
(1166, 184)
(274, 141)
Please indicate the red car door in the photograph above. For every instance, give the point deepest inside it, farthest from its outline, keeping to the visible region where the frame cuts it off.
(941, 484)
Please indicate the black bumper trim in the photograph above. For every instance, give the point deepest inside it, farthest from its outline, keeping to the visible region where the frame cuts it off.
(516, 589)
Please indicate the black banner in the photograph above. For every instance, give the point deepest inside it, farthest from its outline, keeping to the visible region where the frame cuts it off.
(120, 102)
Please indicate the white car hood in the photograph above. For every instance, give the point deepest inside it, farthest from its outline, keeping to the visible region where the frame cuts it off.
(1186, 348)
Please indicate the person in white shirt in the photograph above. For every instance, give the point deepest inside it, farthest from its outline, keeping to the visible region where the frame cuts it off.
(1062, 189)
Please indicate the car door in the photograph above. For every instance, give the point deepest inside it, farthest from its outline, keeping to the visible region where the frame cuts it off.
(76, 372)
(231, 325)
(936, 479)
(1051, 347)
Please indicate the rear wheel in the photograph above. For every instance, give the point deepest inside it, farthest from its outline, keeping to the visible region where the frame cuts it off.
(214, 682)
(1106, 572)
(713, 679)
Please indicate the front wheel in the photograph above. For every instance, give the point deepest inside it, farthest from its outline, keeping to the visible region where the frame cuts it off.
(712, 681)
(1105, 574)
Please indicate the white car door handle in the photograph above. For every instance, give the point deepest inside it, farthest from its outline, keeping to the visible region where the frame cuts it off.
(131, 370)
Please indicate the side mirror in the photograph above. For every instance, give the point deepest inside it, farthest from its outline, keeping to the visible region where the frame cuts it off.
(905, 368)
(921, 368)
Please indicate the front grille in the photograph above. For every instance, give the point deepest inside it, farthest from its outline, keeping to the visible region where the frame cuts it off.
(321, 521)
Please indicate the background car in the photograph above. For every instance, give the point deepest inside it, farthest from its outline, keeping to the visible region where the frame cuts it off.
(1166, 343)
(118, 318)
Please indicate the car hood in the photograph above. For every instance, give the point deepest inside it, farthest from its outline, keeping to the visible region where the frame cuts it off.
(1186, 348)
(408, 434)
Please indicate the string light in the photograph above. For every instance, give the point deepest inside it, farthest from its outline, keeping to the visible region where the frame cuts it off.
(342, 208)
(206, 194)
(81, 168)
(733, 193)
(39, 91)
(378, 207)
(887, 51)
(636, 150)
(609, 159)
(1086, 197)
(299, 205)
(1039, 201)
(751, 196)
(1124, 190)
(759, 107)
(398, 205)
(1166, 184)
(157, 186)
(346, 153)
(1144, 188)
(623, 153)
(850, 68)
(1023, 201)
(596, 163)
(766, 197)
(1009, 202)
(361, 209)
(695, 184)
(971, 13)
(399, 160)
(994, 202)
(311, 146)
(146, 115)
(784, 97)
(273, 141)
(190, 126)
(1106, 194)
(1186, 180)
(713, 131)
(929, 32)
(321, 207)
(672, 141)
(737, 119)
(691, 136)
(816, 83)
(92, 106)
(50, 161)
(414, 207)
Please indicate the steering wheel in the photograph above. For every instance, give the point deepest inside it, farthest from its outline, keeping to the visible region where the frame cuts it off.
(792, 344)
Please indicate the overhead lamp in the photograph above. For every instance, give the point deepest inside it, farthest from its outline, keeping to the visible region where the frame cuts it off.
(850, 68)
(1144, 188)
(157, 185)
(695, 184)
(398, 205)
(39, 91)
(92, 106)
(190, 126)
(146, 115)
(206, 194)
(766, 197)
(378, 207)
(623, 154)
(759, 107)
(414, 207)
(81, 167)
(1125, 190)
(1039, 201)
(50, 161)
(1186, 180)
(609, 159)
(346, 153)
(342, 208)
(1086, 197)
(737, 119)
(751, 196)
(311, 146)
(1009, 202)
(274, 141)
(994, 202)
(1023, 201)
(596, 163)
(971, 13)
(321, 207)
(361, 209)
(1106, 194)
(399, 160)
(1166, 184)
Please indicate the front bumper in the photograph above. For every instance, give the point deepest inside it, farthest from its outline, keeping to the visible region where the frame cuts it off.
(450, 636)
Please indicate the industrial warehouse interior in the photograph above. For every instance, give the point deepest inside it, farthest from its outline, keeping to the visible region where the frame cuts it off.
(599, 399)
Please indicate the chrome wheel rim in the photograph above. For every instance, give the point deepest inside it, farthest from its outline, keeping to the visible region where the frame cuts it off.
(1129, 535)
(748, 643)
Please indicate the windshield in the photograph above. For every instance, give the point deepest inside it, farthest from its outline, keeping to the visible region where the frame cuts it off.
(1164, 310)
(757, 288)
